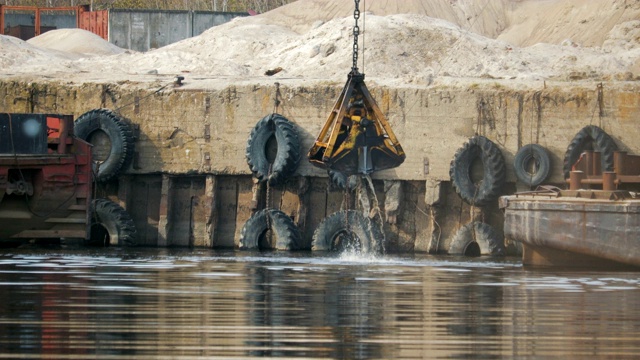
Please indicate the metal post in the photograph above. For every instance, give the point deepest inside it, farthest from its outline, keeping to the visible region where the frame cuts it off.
(37, 23)
(618, 162)
(608, 181)
(575, 179)
(2, 19)
(588, 162)
(596, 167)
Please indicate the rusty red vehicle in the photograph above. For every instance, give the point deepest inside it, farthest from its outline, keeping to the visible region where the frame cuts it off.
(46, 185)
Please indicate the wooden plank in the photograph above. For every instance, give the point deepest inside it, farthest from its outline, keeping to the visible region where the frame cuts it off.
(227, 209)
(302, 211)
(289, 201)
(165, 205)
(244, 210)
(151, 209)
(185, 200)
(211, 210)
(66, 220)
(78, 207)
(144, 207)
(317, 209)
(199, 212)
(51, 234)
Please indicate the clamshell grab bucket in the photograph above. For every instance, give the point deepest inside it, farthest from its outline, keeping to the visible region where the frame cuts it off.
(356, 138)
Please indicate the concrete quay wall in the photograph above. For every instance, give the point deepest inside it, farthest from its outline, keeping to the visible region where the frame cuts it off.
(189, 183)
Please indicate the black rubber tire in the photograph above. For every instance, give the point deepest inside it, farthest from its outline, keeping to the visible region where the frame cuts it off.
(287, 157)
(594, 137)
(494, 171)
(286, 233)
(365, 235)
(110, 223)
(527, 153)
(487, 240)
(120, 134)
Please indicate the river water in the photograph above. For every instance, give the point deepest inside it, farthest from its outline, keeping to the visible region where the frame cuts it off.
(189, 304)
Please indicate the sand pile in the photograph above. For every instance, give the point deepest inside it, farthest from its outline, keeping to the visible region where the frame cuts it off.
(15, 53)
(75, 41)
(55, 49)
(403, 42)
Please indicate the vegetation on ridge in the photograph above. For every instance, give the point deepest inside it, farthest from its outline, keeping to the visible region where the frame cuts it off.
(258, 6)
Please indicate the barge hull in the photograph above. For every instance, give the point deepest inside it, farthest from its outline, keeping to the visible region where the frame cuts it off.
(573, 231)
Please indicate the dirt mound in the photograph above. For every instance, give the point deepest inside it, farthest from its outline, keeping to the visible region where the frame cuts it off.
(75, 41)
(583, 22)
(17, 53)
(519, 22)
(404, 42)
(402, 48)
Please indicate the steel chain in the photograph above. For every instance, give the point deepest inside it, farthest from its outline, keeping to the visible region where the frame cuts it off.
(356, 33)
(266, 206)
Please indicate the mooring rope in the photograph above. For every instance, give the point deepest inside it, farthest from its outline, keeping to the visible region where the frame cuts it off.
(375, 207)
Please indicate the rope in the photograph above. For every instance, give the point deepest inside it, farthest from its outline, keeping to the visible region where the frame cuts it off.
(142, 98)
(433, 217)
(375, 206)
(267, 217)
(276, 100)
(473, 213)
(13, 145)
(531, 150)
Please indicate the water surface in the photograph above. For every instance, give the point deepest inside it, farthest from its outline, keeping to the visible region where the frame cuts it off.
(186, 304)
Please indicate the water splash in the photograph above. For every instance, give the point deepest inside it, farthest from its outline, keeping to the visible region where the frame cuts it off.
(369, 201)
(353, 255)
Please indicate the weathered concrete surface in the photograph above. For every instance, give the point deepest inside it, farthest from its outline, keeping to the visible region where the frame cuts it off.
(201, 131)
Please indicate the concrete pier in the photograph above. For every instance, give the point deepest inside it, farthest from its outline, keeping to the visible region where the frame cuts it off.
(189, 183)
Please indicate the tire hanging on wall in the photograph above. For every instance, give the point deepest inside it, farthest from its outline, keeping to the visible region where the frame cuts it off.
(111, 224)
(347, 229)
(493, 164)
(588, 137)
(265, 165)
(540, 157)
(112, 140)
(476, 239)
(284, 233)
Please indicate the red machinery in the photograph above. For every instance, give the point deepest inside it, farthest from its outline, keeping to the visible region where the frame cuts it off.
(45, 178)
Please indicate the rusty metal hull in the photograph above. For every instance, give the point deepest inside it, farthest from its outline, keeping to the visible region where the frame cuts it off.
(46, 195)
(574, 231)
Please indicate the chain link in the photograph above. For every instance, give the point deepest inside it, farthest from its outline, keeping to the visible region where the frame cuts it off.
(356, 33)
(267, 200)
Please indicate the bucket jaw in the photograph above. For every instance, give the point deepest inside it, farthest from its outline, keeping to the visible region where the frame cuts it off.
(356, 138)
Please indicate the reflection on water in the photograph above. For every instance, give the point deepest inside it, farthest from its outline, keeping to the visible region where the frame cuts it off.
(155, 303)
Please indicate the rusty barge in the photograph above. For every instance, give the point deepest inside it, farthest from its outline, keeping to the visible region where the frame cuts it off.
(593, 224)
(583, 228)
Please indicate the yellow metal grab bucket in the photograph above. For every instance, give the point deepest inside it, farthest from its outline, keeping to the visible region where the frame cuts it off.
(356, 138)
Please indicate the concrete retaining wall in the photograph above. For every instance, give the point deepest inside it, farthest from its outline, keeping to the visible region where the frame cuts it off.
(189, 184)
